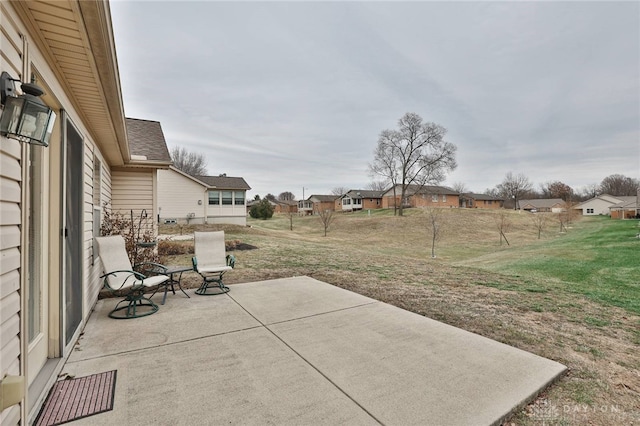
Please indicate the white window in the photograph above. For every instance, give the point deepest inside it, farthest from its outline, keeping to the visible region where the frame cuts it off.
(444, 198)
(434, 198)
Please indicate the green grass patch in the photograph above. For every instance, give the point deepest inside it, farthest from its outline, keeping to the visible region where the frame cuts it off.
(598, 258)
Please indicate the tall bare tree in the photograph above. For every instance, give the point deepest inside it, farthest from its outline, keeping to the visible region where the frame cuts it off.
(286, 196)
(619, 185)
(339, 190)
(513, 187)
(414, 154)
(587, 192)
(192, 163)
(459, 187)
(377, 185)
(557, 189)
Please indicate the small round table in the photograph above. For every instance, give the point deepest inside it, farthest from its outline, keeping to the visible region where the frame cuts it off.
(172, 272)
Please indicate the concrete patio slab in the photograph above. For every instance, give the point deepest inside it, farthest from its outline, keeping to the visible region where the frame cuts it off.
(246, 378)
(407, 369)
(175, 322)
(300, 351)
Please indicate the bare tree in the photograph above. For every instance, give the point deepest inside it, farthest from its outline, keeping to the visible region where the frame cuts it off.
(435, 226)
(191, 163)
(414, 154)
(619, 185)
(460, 187)
(588, 191)
(539, 221)
(377, 185)
(270, 197)
(286, 196)
(339, 190)
(513, 187)
(326, 218)
(503, 224)
(557, 189)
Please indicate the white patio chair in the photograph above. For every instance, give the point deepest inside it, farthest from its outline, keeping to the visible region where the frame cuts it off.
(120, 275)
(211, 262)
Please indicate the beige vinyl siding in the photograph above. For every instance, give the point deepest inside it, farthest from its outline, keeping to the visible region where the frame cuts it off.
(10, 221)
(178, 196)
(91, 273)
(132, 189)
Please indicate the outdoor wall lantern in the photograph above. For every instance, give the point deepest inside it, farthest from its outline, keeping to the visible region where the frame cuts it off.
(24, 117)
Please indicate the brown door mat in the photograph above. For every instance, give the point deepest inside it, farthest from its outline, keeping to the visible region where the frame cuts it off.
(74, 399)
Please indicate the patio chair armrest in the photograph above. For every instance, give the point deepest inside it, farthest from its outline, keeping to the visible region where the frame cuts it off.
(136, 275)
(156, 268)
(231, 260)
(194, 262)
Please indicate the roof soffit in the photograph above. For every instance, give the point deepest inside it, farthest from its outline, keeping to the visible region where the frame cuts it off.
(76, 38)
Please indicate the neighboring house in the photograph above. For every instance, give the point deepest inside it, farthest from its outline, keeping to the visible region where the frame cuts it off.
(305, 207)
(598, 205)
(316, 203)
(480, 201)
(136, 188)
(627, 208)
(553, 205)
(285, 206)
(359, 199)
(51, 197)
(421, 196)
(183, 198)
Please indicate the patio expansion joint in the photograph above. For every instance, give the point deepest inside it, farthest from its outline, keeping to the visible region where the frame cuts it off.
(266, 327)
(132, 351)
(313, 315)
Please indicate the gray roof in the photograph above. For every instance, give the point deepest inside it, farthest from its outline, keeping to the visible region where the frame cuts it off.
(363, 193)
(486, 197)
(426, 189)
(224, 182)
(628, 202)
(146, 139)
(542, 203)
(323, 198)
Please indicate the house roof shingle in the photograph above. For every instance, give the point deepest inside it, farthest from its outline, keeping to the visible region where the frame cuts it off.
(484, 197)
(364, 193)
(224, 182)
(542, 203)
(426, 189)
(147, 139)
(323, 198)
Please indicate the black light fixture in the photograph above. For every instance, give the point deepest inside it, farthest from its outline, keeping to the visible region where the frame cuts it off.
(25, 117)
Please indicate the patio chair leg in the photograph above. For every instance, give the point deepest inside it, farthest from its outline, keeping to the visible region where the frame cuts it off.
(204, 288)
(133, 300)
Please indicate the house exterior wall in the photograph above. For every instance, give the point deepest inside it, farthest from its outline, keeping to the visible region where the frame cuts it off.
(132, 189)
(20, 57)
(178, 197)
(233, 214)
(427, 200)
(323, 205)
(596, 207)
(371, 203)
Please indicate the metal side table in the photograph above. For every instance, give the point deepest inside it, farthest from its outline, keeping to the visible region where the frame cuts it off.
(175, 276)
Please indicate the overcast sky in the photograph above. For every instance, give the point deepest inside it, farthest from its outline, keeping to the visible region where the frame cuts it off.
(293, 95)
